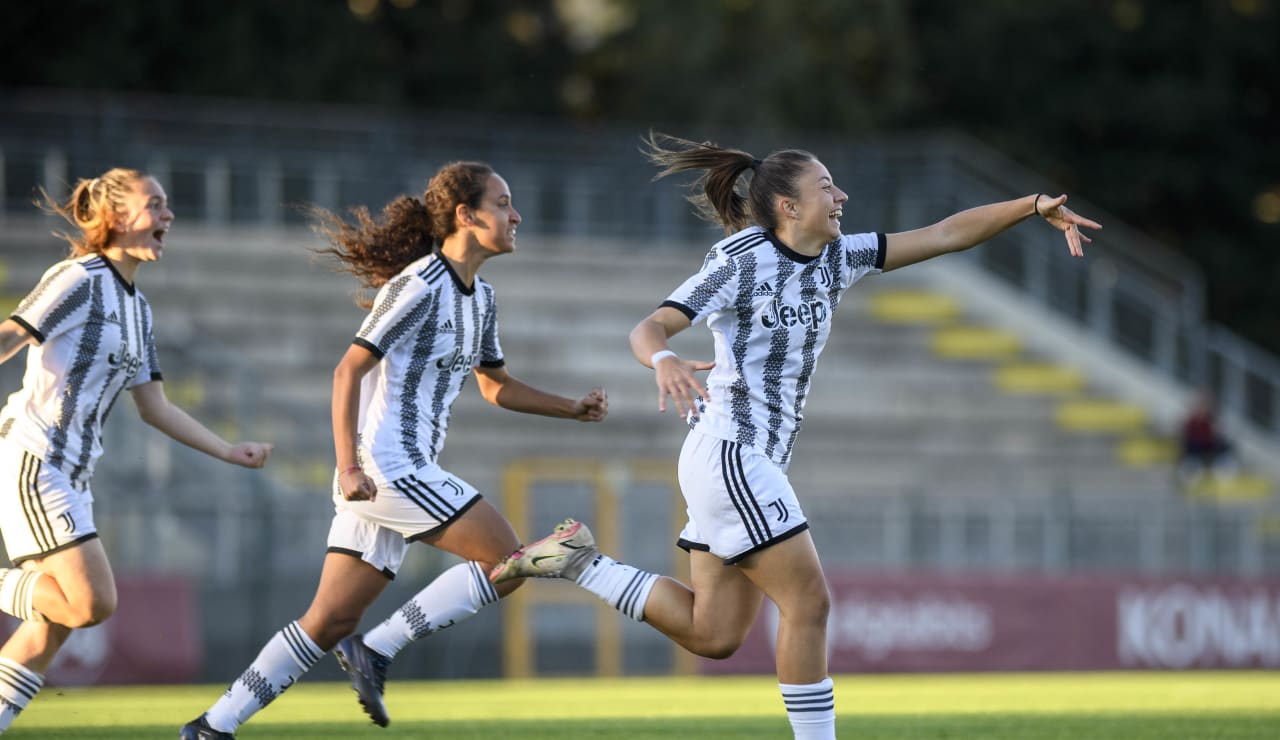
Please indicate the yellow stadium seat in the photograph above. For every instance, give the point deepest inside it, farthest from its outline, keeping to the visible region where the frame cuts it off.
(976, 343)
(1038, 379)
(1143, 451)
(1237, 487)
(1098, 416)
(913, 307)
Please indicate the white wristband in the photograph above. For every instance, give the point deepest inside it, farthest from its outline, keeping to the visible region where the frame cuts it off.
(661, 354)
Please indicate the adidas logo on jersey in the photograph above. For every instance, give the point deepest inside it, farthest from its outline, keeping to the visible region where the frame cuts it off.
(113, 317)
(448, 326)
(764, 289)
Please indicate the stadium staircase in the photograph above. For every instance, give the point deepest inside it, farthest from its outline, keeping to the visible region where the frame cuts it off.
(916, 391)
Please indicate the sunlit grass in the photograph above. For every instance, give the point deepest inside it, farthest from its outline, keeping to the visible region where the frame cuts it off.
(1050, 705)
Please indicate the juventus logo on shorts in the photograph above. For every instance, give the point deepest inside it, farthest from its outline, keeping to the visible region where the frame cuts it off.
(782, 510)
(68, 522)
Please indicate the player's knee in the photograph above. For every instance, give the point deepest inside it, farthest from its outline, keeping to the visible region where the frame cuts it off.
(92, 611)
(718, 646)
(719, 650)
(337, 627)
(809, 609)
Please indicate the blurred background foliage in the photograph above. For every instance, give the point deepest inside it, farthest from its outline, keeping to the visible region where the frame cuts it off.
(1165, 113)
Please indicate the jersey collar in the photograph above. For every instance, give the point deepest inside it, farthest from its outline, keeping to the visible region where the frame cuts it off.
(788, 252)
(129, 287)
(457, 281)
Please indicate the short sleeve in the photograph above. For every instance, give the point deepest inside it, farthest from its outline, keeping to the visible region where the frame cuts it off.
(863, 254)
(490, 347)
(708, 291)
(59, 301)
(151, 365)
(398, 311)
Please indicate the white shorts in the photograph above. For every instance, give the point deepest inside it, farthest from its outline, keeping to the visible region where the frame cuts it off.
(738, 500)
(406, 509)
(41, 512)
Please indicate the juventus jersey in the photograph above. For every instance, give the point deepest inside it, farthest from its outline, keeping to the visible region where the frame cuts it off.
(429, 330)
(769, 309)
(93, 339)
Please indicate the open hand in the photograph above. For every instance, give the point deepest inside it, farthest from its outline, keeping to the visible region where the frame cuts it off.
(675, 378)
(1055, 211)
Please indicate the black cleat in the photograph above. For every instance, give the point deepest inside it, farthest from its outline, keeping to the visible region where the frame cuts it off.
(367, 669)
(199, 729)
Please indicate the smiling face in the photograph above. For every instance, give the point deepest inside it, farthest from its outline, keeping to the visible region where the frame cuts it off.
(815, 213)
(494, 219)
(139, 227)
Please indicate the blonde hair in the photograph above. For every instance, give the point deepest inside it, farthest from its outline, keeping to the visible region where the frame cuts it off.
(92, 207)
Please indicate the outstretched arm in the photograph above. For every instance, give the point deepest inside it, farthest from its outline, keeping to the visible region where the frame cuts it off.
(155, 409)
(968, 228)
(12, 338)
(502, 389)
(674, 376)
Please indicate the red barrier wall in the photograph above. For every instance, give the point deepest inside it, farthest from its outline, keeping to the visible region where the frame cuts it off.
(946, 623)
(154, 637)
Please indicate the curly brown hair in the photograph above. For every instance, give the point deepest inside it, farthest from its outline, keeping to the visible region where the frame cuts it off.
(375, 250)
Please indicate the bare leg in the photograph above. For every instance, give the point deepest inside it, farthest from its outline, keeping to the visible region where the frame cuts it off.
(791, 575)
(78, 588)
(713, 618)
(348, 586)
(482, 536)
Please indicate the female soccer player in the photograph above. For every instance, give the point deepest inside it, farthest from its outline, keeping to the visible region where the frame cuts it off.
(433, 322)
(768, 293)
(89, 331)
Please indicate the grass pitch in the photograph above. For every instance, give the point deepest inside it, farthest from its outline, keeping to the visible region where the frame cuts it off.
(1134, 706)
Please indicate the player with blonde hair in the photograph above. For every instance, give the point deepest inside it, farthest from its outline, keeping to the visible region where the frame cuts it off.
(88, 331)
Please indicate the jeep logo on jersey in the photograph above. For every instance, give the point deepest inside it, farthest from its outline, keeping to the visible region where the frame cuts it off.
(131, 364)
(459, 363)
(786, 315)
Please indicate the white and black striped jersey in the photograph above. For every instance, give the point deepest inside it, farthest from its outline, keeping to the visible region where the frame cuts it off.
(769, 309)
(93, 339)
(429, 330)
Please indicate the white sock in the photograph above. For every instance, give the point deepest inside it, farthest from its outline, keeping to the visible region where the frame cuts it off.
(811, 708)
(453, 596)
(624, 587)
(18, 686)
(17, 589)
(285, 657)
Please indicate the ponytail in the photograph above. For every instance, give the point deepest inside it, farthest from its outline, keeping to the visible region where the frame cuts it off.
(91, 208)
(717, 194)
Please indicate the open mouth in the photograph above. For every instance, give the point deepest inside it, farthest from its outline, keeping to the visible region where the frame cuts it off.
(158, 235)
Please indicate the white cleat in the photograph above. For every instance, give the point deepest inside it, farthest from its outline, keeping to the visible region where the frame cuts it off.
(564, 553)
